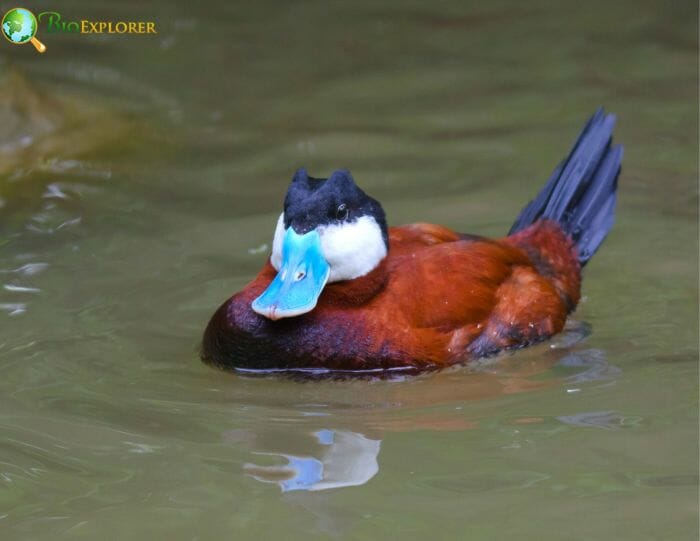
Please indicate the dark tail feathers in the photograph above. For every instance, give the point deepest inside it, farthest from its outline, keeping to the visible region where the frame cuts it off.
(581, 193)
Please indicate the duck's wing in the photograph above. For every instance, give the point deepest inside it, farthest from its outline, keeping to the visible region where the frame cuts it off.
(471, 296)
(443, 281)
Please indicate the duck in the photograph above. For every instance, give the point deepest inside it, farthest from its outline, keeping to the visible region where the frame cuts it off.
(342, 292)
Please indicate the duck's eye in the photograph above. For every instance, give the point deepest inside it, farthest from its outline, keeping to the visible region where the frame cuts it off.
(341, 213)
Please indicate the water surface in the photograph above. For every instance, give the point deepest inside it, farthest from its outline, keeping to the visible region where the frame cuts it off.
(114, 253)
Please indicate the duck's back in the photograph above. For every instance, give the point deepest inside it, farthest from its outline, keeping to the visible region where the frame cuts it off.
(475, 296)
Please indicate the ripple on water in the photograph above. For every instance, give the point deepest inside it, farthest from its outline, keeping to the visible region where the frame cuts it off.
(13, 308)
(483, 482)
(607, 420)
(17, 286)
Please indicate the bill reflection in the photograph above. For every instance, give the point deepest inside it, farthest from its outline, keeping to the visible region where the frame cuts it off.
(346, 459)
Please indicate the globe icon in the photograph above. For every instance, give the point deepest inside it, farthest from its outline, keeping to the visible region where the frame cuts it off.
(19, 26)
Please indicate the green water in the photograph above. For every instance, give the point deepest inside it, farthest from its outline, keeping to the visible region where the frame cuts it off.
(114, 256)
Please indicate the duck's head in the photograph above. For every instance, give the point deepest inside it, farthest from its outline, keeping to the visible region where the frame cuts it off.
(330, 231)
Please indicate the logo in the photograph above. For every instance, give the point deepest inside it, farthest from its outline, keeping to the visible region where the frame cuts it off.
(19, 26)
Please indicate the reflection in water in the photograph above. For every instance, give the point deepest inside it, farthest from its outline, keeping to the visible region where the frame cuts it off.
(348, 459)
(594, 364)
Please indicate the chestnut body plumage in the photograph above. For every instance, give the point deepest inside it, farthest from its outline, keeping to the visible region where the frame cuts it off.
(433, 297)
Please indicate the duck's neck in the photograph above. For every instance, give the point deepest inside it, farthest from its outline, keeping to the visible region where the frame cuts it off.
(357, 291)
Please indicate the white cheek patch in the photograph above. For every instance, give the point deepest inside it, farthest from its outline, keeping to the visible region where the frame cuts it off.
(352, 249)
(277, 240)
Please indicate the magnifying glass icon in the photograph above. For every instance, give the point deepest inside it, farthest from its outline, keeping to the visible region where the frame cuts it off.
(19, 26)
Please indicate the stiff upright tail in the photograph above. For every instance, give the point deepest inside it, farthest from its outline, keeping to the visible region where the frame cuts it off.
(581, 193)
